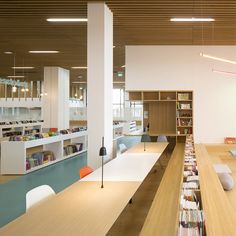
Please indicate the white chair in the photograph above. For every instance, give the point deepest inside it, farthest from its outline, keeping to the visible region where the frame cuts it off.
(122, 148)
(162, 138)
(38, 194)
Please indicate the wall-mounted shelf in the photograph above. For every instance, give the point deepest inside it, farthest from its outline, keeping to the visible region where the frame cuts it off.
(163, 111)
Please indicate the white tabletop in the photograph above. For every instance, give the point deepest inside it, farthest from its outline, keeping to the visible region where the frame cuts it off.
(126, 167)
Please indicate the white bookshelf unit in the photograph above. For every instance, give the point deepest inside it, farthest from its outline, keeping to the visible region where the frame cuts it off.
(14, 153)
(118, 131)
(130, 127)
(22, 128)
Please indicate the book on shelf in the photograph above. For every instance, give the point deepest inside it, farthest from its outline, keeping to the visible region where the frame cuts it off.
(183, 96)
(191, 185)
(192, 178)
(185, 106)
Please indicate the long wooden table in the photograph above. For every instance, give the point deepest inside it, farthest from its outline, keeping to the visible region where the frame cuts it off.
(219, 212)
(83, 208)
(162, 219)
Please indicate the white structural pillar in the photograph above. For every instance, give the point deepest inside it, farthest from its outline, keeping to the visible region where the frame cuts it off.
(55, 98)
(100, 77)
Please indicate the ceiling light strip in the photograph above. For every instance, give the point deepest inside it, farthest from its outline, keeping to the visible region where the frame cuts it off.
(43, 51)
(22, 67)
(224, 72)
(217, 58)
(192, 19)
(16, 76)
(79, 82)
(67, 19)
(79, 67)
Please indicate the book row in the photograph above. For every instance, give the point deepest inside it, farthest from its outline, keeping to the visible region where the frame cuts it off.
(191, 216)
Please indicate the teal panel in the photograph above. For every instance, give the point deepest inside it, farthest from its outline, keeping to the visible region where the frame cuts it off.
(58, 176)
(129, 141)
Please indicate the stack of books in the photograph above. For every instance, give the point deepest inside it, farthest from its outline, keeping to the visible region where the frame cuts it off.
(191, 217)
(73, 148)
(39, 158)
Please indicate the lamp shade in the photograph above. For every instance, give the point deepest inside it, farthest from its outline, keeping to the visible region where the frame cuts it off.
(145, 138)
(102, 151)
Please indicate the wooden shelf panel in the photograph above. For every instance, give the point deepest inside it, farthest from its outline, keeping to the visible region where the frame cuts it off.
(167, 95)
(162, 218)
(162, 117)
(151, 96)
(135, 96)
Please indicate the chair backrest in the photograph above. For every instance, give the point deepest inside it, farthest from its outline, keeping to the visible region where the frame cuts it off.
(86, 170)
(38, 194)
(162, 138)
(122, 148)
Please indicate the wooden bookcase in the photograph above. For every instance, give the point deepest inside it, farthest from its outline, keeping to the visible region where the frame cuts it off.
(166, 112)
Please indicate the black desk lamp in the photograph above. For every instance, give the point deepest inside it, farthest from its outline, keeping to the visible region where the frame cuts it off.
(102, 153)
(145, 138)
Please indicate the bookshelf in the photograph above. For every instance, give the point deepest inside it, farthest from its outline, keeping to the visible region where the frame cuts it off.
(168, 113)
(118, 130)
(191, 215)
(8, 129)
(14, 154)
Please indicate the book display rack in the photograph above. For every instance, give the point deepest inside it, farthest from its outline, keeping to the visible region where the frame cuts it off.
(191, 215)
(22, 157)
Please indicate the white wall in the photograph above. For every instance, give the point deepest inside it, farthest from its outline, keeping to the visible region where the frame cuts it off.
(182, 68)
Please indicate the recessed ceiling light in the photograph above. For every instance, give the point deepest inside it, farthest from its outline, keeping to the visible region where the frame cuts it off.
(43, 51)
(79, 67)
(8, 52)
(217, 58)
(22, 67)
(67, 19)
(16, 76)
(192, 19)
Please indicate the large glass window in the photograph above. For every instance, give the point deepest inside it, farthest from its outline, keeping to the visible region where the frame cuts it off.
(118, 103)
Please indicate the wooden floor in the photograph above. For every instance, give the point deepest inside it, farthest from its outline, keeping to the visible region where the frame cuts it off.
(133, 216)
(5, 178)
(220, 154)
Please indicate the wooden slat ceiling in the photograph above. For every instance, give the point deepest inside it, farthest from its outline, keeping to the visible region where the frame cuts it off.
(23, 27)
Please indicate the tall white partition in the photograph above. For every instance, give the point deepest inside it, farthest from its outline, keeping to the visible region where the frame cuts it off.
(182, 68)
(100, 73)
(55, 98)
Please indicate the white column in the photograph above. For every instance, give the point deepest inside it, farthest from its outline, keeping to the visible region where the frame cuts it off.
(55, 98)
(100, 72)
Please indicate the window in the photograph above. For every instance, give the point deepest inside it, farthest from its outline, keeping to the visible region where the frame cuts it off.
(118, 103)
